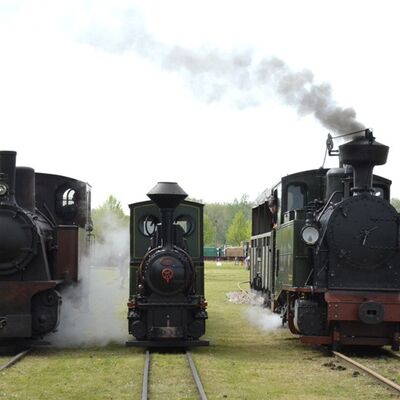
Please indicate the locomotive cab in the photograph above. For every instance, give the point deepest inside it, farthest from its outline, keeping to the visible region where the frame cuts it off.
(166, 305)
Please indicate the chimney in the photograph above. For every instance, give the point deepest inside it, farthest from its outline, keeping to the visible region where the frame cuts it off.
(167, 196)
(363, 153)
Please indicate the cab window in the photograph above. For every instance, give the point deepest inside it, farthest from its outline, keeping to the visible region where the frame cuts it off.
(296, 196)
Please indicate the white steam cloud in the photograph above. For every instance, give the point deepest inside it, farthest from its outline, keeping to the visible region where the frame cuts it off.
(93, 312)
(257, 315)
(238, 76)
(263, 319)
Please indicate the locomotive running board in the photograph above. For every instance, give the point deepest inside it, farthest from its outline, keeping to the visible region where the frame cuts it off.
(346, 340)
(167, 343)
(318, 340)
(15, 345)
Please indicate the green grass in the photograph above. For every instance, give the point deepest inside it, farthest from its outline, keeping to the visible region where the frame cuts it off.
(378, 360)
(241, 363)
(244, 363)
(101, 373)
(171, 378)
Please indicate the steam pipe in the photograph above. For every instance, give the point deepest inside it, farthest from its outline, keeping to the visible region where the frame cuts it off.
(25, 188)
(167, 220)
(7, 174)
(363, 178)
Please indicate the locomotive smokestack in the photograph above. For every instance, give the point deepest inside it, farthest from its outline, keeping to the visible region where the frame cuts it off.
(167, 196)
(7, 176)
(363, 153)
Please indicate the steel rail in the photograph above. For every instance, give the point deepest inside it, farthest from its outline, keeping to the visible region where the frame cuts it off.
(196, 377)
(15, 359)
(392, 353)
(381, 379)
(145, 387)
(240, 288)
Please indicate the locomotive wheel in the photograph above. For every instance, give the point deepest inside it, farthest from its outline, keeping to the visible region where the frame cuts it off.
(196, 329)
(138, 329)
(50, 298)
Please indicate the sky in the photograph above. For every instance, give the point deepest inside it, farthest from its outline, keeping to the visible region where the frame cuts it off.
(222, 97)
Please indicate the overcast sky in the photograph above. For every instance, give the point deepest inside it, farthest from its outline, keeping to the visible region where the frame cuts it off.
(210, 94)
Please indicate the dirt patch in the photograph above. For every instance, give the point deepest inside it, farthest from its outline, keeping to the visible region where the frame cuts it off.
(242, 297)
(334, 366)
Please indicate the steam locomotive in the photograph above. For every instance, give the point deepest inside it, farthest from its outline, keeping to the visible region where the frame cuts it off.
(166, 306)
(325, 250)
(44, 221)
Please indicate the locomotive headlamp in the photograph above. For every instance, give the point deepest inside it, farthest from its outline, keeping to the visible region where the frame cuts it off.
(310, 234)
(3, 189)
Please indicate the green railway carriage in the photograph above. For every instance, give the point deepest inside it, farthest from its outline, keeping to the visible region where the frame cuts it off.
(212, 253)
(227, 252)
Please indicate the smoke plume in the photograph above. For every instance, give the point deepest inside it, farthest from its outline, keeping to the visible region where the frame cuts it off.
(93, 312)
(239, 77)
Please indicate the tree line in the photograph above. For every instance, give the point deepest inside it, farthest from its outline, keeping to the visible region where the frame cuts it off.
(227, 223)
(396, 203)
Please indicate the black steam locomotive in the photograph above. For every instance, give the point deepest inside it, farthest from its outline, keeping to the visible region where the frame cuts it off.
(325, 250)
(166, 305)
(44, 220)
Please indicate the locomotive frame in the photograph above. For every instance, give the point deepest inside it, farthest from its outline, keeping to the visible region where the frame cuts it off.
(334, 290)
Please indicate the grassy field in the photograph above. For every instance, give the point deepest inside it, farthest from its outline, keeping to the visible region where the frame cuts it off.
(241, 363)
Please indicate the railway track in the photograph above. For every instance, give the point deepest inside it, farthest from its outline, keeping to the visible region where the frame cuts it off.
(241, 289)
(394, 387)
(193, 369)
(15, 359)
(392, 353)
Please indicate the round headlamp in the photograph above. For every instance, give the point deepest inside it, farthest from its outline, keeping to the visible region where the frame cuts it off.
(310, 234)
(3, 189)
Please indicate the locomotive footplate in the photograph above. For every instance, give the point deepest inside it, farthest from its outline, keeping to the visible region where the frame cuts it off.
(16, 345)
(360, 318)
(368, 307)
(168, 343)
(347, 340)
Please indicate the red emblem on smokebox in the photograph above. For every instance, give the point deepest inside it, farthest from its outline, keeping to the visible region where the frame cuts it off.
(167, 274)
